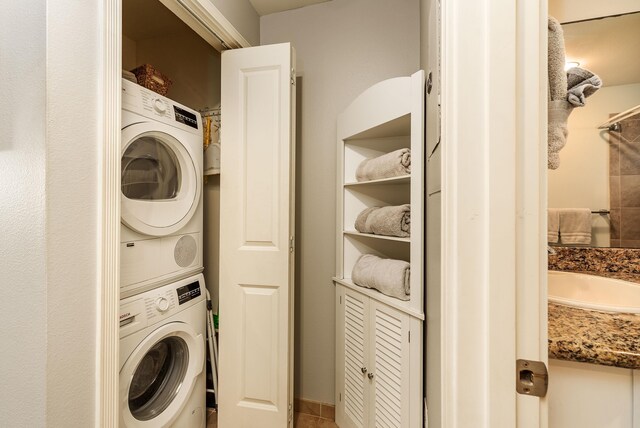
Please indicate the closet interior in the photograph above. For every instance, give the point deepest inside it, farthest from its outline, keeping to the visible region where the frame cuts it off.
(153, 34)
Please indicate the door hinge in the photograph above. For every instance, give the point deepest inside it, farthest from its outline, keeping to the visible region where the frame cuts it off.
(293, 76)
(409, 336)
(340, 397)
(532, 378)
(291, 244)
(290, 412)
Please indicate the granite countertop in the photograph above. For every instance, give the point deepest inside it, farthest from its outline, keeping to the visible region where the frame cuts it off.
(610, 339)
(594, 337)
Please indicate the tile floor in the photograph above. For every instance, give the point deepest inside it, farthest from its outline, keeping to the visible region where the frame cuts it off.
(302, 420)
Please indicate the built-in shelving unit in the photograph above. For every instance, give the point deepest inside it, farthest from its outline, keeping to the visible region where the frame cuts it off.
(376, 331)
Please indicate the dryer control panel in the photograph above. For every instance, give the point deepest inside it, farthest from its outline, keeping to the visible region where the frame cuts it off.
(140, 100)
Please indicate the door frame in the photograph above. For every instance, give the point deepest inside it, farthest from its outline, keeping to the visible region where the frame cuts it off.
(206, 20)
(485, 200)
(494, 93)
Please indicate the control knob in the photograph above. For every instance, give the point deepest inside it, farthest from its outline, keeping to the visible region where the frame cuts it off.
(162, 304)
(159, 106)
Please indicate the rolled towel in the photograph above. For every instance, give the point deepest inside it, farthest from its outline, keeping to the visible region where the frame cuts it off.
(581, 83)
(553, 225)
(388, 276)
(388, 221)
(389, 165)
(557, 131)
(575, 226)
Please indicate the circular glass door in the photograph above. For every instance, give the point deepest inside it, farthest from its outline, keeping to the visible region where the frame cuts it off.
(158, 378)
(160, 182)
(150, 170)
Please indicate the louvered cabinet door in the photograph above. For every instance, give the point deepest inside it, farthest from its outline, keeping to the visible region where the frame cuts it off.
(390, 367)
(352, 384)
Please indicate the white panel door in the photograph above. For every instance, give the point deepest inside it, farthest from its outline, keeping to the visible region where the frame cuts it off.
(389, 367)
(353, 362)
(256, 226)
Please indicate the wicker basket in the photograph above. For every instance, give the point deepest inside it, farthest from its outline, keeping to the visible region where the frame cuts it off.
(151, 78)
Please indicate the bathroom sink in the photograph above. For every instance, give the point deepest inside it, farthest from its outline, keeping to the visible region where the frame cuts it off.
(593, 292)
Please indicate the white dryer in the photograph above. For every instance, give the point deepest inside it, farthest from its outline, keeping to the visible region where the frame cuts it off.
(162, 357)
(161, 190)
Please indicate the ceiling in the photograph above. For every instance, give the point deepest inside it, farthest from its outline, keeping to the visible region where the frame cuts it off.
(265, 7)
(608, 47)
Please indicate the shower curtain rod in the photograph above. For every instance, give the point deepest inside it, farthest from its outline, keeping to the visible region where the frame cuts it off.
(613, 124)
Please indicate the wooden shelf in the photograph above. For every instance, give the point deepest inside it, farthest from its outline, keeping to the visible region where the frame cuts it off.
(403, 179)
(398, 304)
(372, 236)
(393, 127)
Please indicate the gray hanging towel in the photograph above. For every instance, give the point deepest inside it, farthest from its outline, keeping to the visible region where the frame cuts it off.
(559, 108)
(557, 131)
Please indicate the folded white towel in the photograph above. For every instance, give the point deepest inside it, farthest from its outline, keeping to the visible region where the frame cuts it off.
(575, 226)
(388, 276)
(553, 225)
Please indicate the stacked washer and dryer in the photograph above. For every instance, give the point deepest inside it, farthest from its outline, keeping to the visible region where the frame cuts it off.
(162, 300)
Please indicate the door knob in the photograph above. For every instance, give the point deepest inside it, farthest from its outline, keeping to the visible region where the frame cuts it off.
(363, 370)
(370, 375)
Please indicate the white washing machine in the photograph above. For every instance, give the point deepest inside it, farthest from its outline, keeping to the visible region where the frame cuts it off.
(161, 190)
(162, 357)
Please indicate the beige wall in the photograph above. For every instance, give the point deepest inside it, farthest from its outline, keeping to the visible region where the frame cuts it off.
(343, 47)
(191, 63)
(129, 60)
(583, 177)
(22, 217)
(242, 16)
(73, 185)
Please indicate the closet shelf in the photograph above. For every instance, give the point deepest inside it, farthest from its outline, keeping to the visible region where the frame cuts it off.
(403, 179)
(372, 236)
(400, 305)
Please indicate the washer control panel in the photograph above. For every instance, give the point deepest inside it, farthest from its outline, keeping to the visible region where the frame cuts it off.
(142, 310)
(188, 292)
(159, 304)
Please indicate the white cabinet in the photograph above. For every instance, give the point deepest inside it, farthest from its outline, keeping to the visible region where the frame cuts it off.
(379, 338)
(378, 365)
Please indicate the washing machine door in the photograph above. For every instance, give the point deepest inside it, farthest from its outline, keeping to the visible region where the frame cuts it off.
(161, 183)
(158, 378)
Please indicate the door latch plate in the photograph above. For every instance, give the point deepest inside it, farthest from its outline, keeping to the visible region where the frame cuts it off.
(532, 378)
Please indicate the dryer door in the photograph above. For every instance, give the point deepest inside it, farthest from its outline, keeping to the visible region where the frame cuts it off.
(158, 378)
(161, 183)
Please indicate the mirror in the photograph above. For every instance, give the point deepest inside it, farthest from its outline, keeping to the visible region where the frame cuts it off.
(600, 169)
